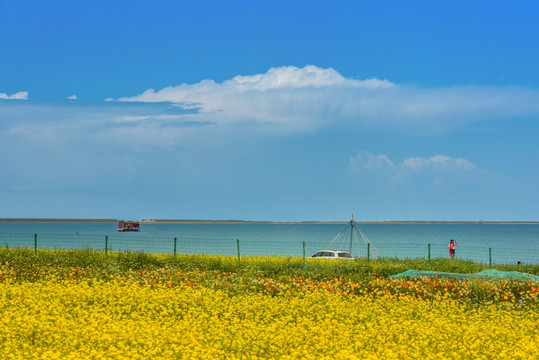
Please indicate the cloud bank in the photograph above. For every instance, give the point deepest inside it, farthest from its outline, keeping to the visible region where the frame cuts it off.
(284, 100)
(292, 99)
(271, 133)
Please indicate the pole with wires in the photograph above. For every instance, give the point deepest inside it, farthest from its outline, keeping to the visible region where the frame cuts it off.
(347, 236)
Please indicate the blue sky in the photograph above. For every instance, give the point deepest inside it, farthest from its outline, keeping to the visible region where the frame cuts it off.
(270, 110)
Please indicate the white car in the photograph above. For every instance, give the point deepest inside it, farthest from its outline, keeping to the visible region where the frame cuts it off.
(332, 254)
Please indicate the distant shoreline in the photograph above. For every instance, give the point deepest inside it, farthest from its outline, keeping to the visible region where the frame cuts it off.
(191, 221)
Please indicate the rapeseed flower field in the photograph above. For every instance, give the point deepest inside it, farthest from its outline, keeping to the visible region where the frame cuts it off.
(53, 311)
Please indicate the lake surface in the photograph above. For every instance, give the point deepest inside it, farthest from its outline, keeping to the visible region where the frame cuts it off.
(508, 243)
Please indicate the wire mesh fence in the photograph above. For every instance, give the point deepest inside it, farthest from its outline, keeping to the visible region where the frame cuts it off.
(238, 247)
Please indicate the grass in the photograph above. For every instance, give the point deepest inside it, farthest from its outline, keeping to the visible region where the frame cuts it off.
(116, 262)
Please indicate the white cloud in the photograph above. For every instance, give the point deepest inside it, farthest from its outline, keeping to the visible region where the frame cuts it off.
(291, 99)
(293, 77)
(73, 97)
(285, 78)
(294, 99)
(366, 160)
(21, 95)
(438, 164)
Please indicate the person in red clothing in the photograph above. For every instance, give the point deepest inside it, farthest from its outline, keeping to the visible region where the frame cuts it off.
(451, 246)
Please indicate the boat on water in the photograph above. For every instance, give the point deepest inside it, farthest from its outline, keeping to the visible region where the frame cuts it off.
(124, 226)
(348, 244)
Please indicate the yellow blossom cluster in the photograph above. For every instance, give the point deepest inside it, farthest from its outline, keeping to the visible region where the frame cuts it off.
(114, 319)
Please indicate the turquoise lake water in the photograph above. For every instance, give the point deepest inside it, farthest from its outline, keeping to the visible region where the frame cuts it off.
(508, 243)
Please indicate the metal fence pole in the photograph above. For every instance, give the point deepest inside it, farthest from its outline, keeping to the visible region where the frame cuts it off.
(35, 243)
(490, 257)
(106, 244)
(175, 240)
(304, 256)
(429, 254)
(239, 258)
(368, 251)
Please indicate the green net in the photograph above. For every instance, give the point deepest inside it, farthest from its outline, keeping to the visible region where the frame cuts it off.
(485, 274)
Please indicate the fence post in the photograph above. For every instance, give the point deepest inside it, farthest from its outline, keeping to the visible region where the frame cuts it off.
(368, 251)
(106, 244)
(304, 256)
(429, 254)
(35, 243)
(490, 257)
(175, 240)
(239, 258)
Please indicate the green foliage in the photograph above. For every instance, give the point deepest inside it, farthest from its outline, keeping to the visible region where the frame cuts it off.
(26, 259)
(271, 275)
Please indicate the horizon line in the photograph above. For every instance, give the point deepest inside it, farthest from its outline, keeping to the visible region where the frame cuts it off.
(233, 221)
